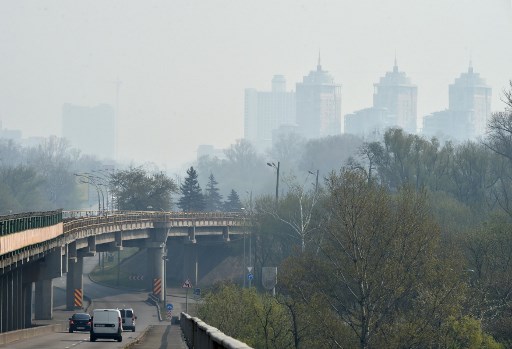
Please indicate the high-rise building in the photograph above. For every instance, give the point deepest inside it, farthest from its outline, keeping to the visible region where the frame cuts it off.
(468, 110)
(90, 129)
(318, 104)
(394, 105)
(266, 111)
(398, 95)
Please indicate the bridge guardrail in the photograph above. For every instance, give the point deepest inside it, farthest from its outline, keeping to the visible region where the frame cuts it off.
(199, 335)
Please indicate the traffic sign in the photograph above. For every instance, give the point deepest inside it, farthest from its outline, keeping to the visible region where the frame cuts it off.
(187, 284)
(250, 276)
(197, 291)
(169, 307)
(249, 269)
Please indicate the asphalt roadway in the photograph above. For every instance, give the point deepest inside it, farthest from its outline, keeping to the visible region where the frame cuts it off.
(160, 334)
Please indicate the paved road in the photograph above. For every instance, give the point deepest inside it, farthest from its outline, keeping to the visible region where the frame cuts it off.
(104, 297)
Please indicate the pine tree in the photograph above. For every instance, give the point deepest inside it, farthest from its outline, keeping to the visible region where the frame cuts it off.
(192, 199)
(233, 203)
(213, 199)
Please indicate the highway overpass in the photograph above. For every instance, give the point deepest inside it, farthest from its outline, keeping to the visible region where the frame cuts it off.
(37, 247)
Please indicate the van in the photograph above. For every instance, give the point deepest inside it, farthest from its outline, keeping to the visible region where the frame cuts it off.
(128, 319)
(106, 323)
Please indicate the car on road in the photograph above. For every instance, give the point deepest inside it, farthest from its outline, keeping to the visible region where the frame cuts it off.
(106, 323)
(80, 322)
(128, 317)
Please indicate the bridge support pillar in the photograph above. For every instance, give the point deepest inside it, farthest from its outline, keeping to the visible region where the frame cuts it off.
(44, 299)
(156, 271)
(190, 263)
(74, 283)
(27, 304)
(7, 317)
(50, 268)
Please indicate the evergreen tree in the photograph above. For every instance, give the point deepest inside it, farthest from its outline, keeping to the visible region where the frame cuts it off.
(213, 200)
(192, 199)
(233, 203)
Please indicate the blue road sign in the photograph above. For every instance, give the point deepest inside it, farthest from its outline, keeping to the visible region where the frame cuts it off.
(169, 307)
(250, 276)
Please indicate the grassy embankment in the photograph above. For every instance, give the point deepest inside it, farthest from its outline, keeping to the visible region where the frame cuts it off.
(108, 272)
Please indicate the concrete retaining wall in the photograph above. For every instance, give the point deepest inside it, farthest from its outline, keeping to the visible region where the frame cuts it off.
(200, 335)
(12, 336)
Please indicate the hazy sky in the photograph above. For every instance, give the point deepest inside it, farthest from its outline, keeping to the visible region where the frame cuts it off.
(184, 64)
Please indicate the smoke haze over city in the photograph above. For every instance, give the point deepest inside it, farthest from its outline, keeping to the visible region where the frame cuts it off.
(177, 70)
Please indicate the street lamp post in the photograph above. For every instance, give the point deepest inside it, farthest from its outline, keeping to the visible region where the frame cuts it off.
(164, 281)
(316, 182)
(271, 164)
(87, 179)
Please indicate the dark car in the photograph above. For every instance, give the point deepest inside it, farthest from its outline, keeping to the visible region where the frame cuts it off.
(80, 322)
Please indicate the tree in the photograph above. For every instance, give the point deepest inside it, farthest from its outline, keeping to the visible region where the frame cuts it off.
(213, 200)
(380, 259)
(136, 189)
(233, 203)
(192, 199)
(21, 189)
(296, 211)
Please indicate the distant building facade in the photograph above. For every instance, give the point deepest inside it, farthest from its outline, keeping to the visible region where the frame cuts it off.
(368, 123)
(318, 105)
(14, 135)
(210, 151)
(266, 111)
(90, 129)
(468, 111)
(394, 105)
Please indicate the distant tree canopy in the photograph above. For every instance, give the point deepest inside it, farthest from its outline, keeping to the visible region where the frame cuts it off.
(213, 199)
(136, 189)
(192, 199)
(233, 203)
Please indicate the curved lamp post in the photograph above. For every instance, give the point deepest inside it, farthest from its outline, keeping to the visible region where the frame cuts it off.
(87, 179)
(271, 164)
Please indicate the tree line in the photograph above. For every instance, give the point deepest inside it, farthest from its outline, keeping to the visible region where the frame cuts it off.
(407, 245)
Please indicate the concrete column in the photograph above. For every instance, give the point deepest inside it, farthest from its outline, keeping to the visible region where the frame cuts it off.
(27, 304)
(156, 271)
(74, 284)
(17, 299)
(44, 300)
(50, 267)
(3, 303)
(10, 317)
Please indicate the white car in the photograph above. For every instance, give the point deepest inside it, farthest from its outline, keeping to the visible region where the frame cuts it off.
(106, 323)
(128, 317)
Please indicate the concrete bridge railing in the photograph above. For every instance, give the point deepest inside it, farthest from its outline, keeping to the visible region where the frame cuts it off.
(199, 334)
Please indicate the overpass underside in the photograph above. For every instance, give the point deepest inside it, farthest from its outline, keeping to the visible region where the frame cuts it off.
(27, 274)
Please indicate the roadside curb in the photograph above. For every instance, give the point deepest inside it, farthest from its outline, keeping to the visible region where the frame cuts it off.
(139, 338)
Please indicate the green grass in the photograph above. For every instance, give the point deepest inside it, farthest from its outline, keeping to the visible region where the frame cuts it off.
(110, 274)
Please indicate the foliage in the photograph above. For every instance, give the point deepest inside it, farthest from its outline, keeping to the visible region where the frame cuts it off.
(136, 189)
(255, 319)
(192, 199)
(233, 203)
(21, 189)
(213, 200)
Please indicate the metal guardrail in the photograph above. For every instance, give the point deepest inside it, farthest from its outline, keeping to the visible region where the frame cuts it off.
(75, 222)
(199, 335)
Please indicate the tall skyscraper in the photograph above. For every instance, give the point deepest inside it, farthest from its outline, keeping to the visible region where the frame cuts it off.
(266, 111)
(468, 110)
(394, 105)
(398, 95)
(469, 92)
(90, 129)
(318, 104)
